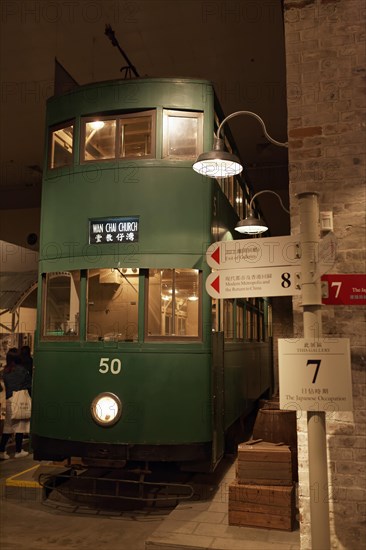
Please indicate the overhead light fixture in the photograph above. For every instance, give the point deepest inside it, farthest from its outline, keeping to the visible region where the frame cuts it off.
(219, 163)
(193, 297)
(252, 225)
(97, 124)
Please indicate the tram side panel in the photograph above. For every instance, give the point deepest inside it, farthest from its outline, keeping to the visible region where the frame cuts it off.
(164, 401)
(172, 206)
(247, 365)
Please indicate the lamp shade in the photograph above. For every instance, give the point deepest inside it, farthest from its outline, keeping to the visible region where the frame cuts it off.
(217, 164)
(251, 225)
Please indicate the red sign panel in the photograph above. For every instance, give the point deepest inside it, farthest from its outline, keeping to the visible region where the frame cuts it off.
(344, 290)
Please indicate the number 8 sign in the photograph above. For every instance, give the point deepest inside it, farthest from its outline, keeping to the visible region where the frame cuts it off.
(251, 283)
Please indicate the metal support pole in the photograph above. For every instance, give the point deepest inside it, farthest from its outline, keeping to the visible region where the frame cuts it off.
(311, 302)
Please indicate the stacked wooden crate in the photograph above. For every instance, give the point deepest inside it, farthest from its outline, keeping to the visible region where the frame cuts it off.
(263, 494)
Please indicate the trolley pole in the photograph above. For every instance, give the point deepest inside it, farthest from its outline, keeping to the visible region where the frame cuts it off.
(311, 303)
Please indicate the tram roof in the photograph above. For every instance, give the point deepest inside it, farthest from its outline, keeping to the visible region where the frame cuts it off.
(134, 81)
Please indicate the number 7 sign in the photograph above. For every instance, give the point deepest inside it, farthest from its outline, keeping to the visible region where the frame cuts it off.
(315, 375)
(317, 363)
(346, 289)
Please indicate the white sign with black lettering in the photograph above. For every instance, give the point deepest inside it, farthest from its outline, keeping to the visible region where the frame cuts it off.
(315, 375)
(259, 282)
(253, 253)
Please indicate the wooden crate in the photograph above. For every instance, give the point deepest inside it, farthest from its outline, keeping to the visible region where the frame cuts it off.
(276, 425)
(264, 464)
(271, 507)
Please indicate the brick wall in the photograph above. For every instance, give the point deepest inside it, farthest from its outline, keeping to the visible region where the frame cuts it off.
(326, 85)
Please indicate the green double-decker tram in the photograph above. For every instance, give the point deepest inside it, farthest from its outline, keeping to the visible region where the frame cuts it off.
(134, 360)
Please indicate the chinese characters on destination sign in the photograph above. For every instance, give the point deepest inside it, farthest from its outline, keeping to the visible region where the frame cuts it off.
(247, 283)
(272, 251)
(315, 375)
(114, 230)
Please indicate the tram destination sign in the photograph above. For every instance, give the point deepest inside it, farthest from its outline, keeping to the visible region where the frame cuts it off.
(246, 283)
(315, 374)
(114, 230)
(253, 253)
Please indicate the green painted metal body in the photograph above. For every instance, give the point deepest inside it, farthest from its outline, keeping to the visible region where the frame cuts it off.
(161, 393)
(169, 391)
(173, 202)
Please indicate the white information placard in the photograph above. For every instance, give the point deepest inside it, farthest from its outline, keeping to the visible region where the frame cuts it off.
(253, 253)
(246, 283)
(315, 375)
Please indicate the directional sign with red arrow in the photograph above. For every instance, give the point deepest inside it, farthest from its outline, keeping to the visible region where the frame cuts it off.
(253, 253)
(215, 284)
(259, 282)
(215, 256)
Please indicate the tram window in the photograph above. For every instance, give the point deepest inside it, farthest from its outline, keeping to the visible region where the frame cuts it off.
(269, 322)
(230, 190)
(229, 319)
(182, 134)
(260, 314)
(260, 328)
(137, 135)
(113, 305)
(240, 321)
(215, 315)
(173, 304)
(99, 137)
(61, 305)
(61, 146)
(255, 326)
(249, 324)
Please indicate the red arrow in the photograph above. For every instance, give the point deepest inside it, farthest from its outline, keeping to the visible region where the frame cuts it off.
(216, 255)
(216, 284)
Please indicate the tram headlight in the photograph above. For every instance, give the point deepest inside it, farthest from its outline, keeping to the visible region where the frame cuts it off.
(106, 409)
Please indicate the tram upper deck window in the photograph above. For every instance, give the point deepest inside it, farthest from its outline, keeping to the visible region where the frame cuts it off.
(99, 139)
(125, 136)
(61, 146)
(136, 135)
(182, 134)
(61, 301)
(173, 304)
(113, 305)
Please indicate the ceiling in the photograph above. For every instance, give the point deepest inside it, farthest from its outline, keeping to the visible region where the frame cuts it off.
(237, 44)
